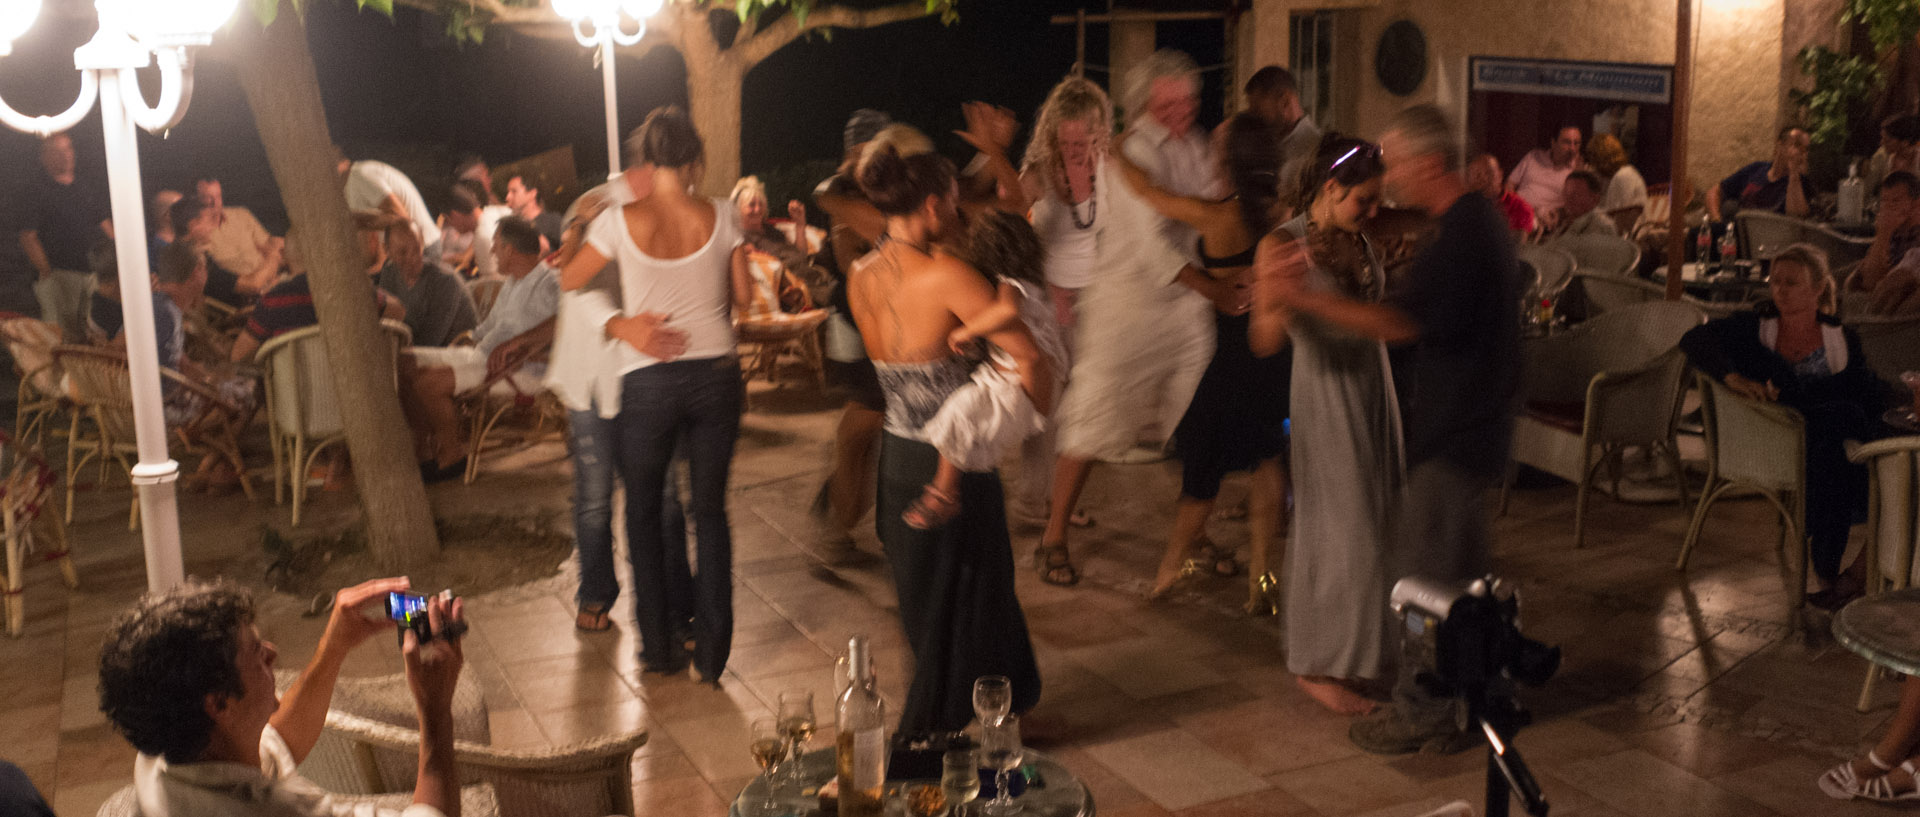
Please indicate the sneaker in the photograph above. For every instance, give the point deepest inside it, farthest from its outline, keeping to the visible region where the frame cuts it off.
(1388, 734)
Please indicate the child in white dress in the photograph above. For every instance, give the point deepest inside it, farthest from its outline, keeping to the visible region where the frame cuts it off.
(992, 413)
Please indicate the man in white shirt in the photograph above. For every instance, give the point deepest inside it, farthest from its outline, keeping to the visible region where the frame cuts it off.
(522, 318)
(1165, 90)
(238, 242)
(371, 184)
(186, 678)
(1540, 177)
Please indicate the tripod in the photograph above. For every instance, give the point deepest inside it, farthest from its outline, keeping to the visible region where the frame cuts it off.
(1500, 717)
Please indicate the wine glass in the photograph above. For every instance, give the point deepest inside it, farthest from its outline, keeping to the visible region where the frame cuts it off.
(992, 699)
(960, 777)
(768, 743)
(796, 718)
(1000, 750)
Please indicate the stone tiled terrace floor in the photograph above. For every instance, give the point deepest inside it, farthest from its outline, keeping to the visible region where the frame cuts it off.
(1681, 694)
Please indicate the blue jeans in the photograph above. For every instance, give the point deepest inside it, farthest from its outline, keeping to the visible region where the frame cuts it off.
(592, 442)
(695, 404)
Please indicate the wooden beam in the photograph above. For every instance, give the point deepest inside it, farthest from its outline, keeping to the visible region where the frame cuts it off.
(1677, 187)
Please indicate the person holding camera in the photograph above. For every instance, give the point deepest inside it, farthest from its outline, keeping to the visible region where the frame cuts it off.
(186, 678)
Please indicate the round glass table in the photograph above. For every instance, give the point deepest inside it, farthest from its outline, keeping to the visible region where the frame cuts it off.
(1883, 628)
(1055, 792)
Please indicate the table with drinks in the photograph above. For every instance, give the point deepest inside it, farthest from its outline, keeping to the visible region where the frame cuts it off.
(866, 775)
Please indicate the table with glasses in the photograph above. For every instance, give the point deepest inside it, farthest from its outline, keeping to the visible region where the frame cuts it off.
(1717, 286)
(1058, 793)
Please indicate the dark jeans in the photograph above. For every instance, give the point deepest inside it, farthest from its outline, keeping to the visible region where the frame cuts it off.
(697, 403)
(592, 441)
(1836, 486)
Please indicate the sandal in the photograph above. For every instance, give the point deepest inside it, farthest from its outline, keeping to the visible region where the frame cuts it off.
(933, 509)
(593, 618)
(1188, 569)
(1880, 789)
(1840, 783)
(1054, 566)
(1216, 560)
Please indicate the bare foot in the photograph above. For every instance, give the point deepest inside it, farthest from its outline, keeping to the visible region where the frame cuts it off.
(1334, 695)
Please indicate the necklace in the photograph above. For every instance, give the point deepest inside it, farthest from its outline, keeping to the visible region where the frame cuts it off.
(923, 249)
(1093, 201)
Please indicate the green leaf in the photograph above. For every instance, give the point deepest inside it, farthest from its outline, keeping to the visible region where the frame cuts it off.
(264, 11)
(826, 34)
(743, 8)
(382, 6)
(800, 9)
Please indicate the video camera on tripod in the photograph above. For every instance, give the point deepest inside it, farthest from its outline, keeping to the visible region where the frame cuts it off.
(1478, 656)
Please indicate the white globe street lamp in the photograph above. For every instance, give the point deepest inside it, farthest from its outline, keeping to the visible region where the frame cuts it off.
(132, 35)
(598, 24)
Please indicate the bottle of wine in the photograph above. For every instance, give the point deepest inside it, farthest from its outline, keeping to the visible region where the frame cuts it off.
(861, 755)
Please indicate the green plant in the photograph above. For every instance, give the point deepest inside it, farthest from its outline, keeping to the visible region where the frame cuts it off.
(1888, 22)
(1840, 83)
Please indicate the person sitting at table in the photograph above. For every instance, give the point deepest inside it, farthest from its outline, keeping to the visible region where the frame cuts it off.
(522, 318)
(1899, 150)
(795, 253)
(439, 307)
(1580, 214)
(1885, 281)
(1886, 772)
(1792, 350)
(1777, 186)
(1625, 198)
(194, 224)
(1483, 177)
(1540, 177)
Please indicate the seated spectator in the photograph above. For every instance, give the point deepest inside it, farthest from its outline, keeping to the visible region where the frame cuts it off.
(1625, 199)
(1793, 351)
(438, 306)
(104, 313)
(1899, 149)
(238, 241)
(186, 678)
(161, 222)
(1887, 281)
(766, 238)
(1541, 175)
(459, 228)
(523, 195)
(378, 186)
(1483, 177)
(1580, 212)
(179, 285)
(1886, 772)
(1776, 186)
(289, 306)
(522, 318)
(193, 226)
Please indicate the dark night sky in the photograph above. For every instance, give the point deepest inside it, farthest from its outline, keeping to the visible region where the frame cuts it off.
(399, 91)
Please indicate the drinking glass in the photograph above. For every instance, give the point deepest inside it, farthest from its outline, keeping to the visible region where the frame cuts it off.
(1000, 750)
(960, 777)
(796, 718)
(768, 743)
(992, 699)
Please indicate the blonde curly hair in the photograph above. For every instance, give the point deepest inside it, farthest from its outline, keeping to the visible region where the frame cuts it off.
(1075, 99)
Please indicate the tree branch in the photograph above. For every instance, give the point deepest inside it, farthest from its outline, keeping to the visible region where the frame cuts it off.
(787, 29)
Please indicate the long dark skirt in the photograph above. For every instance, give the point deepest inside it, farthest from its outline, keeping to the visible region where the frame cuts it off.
(955, 583)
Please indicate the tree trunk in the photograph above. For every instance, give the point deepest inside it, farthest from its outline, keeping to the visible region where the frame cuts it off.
(276, 71)
(714, 80)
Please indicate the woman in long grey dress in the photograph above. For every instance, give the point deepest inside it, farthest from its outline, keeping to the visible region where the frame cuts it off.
(1346, 451)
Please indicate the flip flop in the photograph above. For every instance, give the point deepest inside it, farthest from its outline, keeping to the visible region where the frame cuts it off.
(1051, 561)
(593, 618)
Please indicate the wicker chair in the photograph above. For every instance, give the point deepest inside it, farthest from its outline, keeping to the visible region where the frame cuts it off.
(1760, 234)
(1610, 384)
(1554, 265)
(499, 399)
(1893, 520)
(1891, 344)
(23, 498)
(1759, 446)
(776, 330)
(1841, 249)
(1606, 254)
(376, 749)
(30, 341)
(303, 417)
(484, 291)
(475, 801)
(103, 389)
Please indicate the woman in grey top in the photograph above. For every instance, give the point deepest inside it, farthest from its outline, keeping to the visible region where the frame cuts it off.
(1346, 451)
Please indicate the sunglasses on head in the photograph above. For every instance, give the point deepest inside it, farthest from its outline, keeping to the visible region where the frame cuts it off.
(1364, 150)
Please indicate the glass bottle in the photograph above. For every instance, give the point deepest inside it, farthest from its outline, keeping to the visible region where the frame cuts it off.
(860, 757)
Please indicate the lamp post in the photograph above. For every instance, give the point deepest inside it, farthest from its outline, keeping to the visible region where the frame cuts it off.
(132, 35)
(596, 24)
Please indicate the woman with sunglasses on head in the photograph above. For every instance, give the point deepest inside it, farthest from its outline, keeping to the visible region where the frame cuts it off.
(1346, 431)
(1236, 420)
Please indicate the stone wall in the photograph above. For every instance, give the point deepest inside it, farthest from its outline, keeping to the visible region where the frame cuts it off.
(1739, 80)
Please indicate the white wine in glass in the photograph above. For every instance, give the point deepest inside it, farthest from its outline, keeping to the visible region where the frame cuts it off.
(797, 720)
(768, 743)
(1000, 750)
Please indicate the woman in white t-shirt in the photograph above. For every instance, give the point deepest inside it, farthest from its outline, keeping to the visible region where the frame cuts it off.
(1625, 199)
(683, 276)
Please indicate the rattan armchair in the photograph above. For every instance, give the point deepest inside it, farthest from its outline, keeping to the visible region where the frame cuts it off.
(370, 745)
(303, 416)
(501, 397)
(30, 342)
(476, 800)
(1759, 446)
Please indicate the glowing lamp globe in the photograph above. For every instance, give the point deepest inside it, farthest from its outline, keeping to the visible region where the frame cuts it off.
(16, 16)
(641, 9)
(167, 23)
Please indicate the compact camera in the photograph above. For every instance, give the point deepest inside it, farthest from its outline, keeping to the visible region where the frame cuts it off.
(410, 612)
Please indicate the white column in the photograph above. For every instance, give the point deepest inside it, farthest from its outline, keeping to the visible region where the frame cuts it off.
(155, 473)
(612, 104)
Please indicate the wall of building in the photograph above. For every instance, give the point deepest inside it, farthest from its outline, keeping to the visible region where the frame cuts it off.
(1739, 96)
